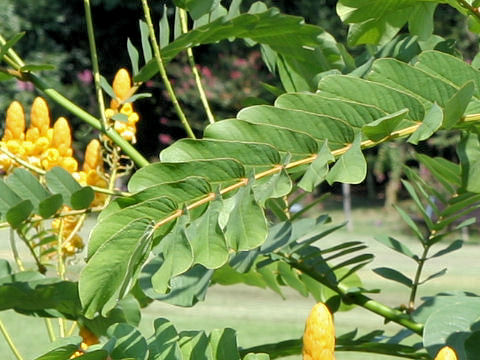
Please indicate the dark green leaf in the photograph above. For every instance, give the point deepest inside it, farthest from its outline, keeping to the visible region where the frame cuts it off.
(434, 276)
(17, 214)
(50, 205)
(468, 151)
(223, 345)
(60, 181)
(457, 244)
(408, 220)
(81, 199)
(197, 8)
(135, 97)
(62, 349)
(129, 342)
(396, 246)
(37, 67)
(163, 343)
(392, 274)
(10, 43)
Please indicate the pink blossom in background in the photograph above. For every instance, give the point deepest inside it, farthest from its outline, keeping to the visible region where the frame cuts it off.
(85, 76)
(239, 62)
(24, 86)
(207, 72)
(186, 70)
(150, 83)
(163, 120)
(165, 139)
(235, 74)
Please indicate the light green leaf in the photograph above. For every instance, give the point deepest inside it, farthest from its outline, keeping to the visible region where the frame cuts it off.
(164, 338)
(468, 151)
(37, 67)
(27, 186)
(431, 123)
(284, 140)
(317, 171)
(321, 127)
(451, 325)
(113, 267)
(107, 87)
(177, 256)
(8, 198)
(133, 55)
(207, 238)
(420, 22)
(384, 126)
(194, 345)
(247, 227)
(164, 27)
(252, 356)
(457, 104)
(274, 186)
(146, 48)
(215, 171)
(351, 167)
(249, 154)
(10, 43)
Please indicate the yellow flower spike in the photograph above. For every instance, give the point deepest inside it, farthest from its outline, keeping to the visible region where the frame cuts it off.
(319, 335)
(15, 122)
(93, 156)
(40, 116)
(122, 84)
(446, 353)
(62, 136)
(89, 338)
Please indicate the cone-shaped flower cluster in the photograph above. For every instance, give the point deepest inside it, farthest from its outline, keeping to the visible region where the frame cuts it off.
(319, 335)
(446, 353)
(40, 145)
(122, 87)
(89, 339)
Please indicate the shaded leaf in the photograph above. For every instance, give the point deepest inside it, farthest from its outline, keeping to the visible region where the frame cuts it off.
(431, 123)
(392, 274)
(351, 167)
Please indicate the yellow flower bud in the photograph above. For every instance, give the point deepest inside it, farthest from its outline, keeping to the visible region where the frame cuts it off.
(80, 177)
(15, 146)
(120, 127)
(127, 109)
(51, 158)
(121, 85)
(29, 147)
(61, 134)
(5, 162)
(15, 122)
(319, 335)
(133, 118)
(40, 117)
(93, 156)
(446, 353)
(32, 134)
(41, 145)
(109, 113)
(69, 164)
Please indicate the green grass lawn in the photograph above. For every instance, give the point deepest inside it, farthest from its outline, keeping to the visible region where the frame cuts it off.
(262, 316)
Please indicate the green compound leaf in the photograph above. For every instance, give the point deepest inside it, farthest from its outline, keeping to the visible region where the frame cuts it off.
(351, 167)
(60, 181)
(101, 286)
(247, 226)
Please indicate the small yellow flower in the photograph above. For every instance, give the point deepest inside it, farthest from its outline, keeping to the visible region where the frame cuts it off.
(122, 84)
(62, 137)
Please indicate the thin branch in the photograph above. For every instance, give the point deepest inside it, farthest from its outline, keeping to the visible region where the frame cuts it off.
(15, 253)
(41, 268)
(9, 341)
(193, 66)
(163, 72)
(94, 57)
(470, 9)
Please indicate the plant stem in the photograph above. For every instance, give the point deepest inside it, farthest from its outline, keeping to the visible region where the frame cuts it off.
(22, 162)
(60, 263)
(41, 268)
(196, 74)
(48, 325)
(472, 10)
(163, 72)
(126, 147)
(16, 256)
(17, 59)
(9, 341)
(416, 281)
(94, 57)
